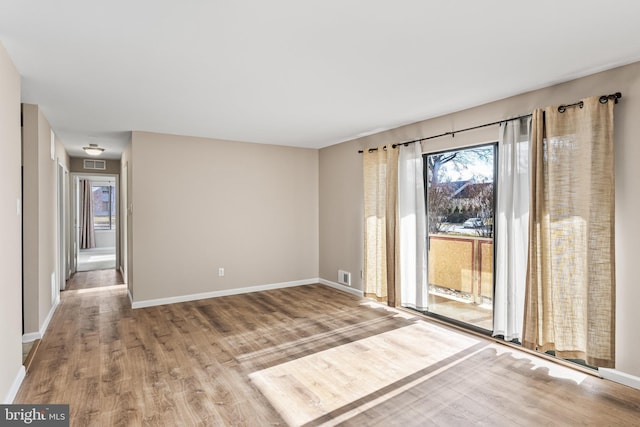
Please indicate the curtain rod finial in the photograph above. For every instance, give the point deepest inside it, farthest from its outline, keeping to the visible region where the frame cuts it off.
(615, 96)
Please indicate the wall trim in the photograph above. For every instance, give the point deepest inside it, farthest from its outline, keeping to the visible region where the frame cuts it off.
(620, 377)
(341, 287)
(32, 336)
(223, 293)
(130, 297)
(15, 387)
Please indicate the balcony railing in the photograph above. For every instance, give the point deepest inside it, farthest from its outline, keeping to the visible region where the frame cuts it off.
(462, 264)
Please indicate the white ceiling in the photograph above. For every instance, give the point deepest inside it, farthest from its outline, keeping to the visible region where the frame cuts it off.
(290, 72)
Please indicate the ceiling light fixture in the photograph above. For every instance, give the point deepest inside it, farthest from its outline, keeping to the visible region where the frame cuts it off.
(93, 150)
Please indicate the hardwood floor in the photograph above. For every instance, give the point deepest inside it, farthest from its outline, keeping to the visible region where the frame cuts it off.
(464, 312)
(308, 355)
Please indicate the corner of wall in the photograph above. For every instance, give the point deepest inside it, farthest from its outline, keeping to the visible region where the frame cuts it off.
(11, 210)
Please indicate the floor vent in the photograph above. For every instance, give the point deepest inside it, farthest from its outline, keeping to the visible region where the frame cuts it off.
(94, 164)
(344, 277)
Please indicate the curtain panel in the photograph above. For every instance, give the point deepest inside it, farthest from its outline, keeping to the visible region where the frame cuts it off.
(412, 228)
(87, 232)
(570, 293)
(380, 176)
(512, 228)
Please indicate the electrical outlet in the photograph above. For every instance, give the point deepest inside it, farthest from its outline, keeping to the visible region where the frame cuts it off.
(221, 272)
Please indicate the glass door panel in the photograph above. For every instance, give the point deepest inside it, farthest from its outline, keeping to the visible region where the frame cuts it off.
(460, 209)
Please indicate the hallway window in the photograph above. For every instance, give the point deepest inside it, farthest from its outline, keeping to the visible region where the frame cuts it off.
(104, 207)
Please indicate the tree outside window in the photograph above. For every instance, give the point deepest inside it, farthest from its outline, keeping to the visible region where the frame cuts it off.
(460, 188)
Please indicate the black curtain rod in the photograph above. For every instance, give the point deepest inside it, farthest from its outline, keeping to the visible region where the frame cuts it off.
(603, 100)
(452, 133)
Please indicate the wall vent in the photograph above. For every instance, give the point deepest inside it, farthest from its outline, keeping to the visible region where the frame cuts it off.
(94, 164)
(344, 277)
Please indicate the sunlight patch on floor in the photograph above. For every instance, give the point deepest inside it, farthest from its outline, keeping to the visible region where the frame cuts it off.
(98, 289)
(96, 259)
(305, 389)
(554, 369)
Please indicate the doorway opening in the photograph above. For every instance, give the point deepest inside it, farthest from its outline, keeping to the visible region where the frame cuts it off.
(96, 222)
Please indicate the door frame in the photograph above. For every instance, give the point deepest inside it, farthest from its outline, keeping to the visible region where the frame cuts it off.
(425, 154)
(63, 233)
(75, 178)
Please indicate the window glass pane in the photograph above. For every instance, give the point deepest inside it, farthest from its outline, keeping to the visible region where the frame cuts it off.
(460, 205)
(103, 207)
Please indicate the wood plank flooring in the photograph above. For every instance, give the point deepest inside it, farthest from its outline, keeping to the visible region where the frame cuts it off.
(308, 355)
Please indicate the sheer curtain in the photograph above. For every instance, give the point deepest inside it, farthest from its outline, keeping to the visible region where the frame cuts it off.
(87, 232)
(570, 296)
(512, 228)
(380, 176)
(412, 228)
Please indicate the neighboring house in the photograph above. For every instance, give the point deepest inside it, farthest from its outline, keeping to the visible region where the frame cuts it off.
(477, 199)
(457, 201)
(469, 195)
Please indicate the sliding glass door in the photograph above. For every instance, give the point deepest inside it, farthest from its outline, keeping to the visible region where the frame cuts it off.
(460, 225)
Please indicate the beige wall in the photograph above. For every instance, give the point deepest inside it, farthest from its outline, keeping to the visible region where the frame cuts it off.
(76, 166)
(10, 226)
(40, 216)
(341, 212)
(341, 184)
(201, 204)
(31, 224)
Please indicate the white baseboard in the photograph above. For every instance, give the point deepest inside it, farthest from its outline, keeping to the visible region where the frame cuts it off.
(32, 336)
(17, 382)
(130, 297)
(215, 294)
(341, 287)
(620, 377)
